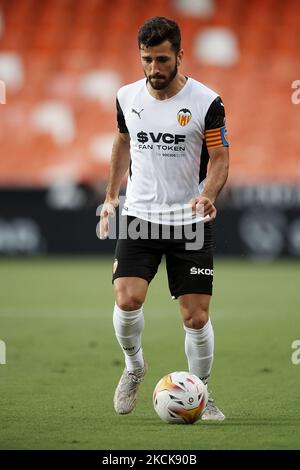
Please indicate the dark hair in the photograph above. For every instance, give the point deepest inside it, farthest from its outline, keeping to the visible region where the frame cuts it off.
(157, 30)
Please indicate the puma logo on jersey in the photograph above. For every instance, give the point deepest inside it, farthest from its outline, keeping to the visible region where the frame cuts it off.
(137, 112)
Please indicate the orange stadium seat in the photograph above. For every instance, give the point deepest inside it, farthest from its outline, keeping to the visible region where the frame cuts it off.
(59, 42)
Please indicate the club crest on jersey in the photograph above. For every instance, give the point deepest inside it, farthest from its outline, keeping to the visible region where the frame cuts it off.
(184, 116)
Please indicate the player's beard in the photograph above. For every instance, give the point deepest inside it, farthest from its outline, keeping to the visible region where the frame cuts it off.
(164, 81)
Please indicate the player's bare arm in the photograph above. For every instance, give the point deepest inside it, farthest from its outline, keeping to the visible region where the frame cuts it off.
(216, 178)
(120, 159)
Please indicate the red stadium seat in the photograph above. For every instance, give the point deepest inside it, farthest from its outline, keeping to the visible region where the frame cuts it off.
(61, 41)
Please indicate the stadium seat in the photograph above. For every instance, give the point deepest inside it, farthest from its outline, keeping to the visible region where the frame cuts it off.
(63, 61)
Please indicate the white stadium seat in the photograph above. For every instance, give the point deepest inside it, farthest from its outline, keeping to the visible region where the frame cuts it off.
(196, 8)
(217, 46)
(54, 118)
(100, 85)
(11, 70)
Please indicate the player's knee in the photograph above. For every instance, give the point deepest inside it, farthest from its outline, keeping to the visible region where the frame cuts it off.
(128, 302)
(196, 319)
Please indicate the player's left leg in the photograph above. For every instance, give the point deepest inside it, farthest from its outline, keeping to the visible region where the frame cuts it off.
(190, 275)
(199, 343)
(199, 339)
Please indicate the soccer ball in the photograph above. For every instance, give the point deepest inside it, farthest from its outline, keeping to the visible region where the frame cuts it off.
(180, 397)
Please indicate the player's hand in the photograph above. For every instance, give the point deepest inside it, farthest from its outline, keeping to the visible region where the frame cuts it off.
(108, 209)
(205, 207)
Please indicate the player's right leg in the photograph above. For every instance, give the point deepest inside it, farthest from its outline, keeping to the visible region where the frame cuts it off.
(128, 320)
(136, 263)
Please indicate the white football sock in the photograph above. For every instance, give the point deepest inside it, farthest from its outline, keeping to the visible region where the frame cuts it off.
(199, 350)
(128, 328)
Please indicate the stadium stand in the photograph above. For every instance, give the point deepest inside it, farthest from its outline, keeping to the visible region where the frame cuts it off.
(63, 60)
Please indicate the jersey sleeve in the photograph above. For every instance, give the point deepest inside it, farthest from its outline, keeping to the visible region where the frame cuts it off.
(215, 128)
(121, 119)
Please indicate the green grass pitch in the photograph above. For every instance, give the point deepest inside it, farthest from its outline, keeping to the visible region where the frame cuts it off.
(63, 361)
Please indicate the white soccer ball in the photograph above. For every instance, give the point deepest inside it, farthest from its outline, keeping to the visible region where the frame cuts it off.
(180, 397)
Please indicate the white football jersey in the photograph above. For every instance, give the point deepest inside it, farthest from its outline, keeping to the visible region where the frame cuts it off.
(168, 148)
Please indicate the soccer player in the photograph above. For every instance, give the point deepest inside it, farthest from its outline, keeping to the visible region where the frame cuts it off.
(169, 127)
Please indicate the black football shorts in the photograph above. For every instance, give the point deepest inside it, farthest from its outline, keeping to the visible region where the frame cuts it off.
(190, 271)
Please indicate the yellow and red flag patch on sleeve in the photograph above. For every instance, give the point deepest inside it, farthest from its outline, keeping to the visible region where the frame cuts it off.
(216, 137)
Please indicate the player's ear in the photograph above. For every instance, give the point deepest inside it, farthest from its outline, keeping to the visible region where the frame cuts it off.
(179, 57)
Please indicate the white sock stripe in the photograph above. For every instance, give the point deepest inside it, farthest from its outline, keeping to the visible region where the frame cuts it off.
(199, 332)
(127, 319)
(127, 313)
(128, 322)
(123, 337)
